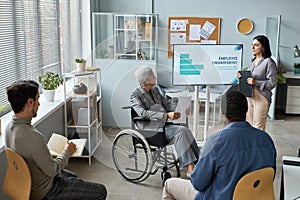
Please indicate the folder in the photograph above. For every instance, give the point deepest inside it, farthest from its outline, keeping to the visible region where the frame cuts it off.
(244, 87)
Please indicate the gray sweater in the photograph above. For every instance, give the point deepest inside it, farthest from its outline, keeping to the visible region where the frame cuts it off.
(265, 75)
(22, 137)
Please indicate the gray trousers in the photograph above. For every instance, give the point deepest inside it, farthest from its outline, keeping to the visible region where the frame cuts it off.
(184, 142)
(67, 185)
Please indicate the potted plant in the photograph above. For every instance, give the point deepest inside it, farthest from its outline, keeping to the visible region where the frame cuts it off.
(49, 82)
(80, 64)
(3, 109)
(296, 68)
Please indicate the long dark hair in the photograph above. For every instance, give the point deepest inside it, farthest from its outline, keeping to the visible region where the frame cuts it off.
(266, 45)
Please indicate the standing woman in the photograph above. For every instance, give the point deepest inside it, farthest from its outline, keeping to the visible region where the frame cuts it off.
(263, 80)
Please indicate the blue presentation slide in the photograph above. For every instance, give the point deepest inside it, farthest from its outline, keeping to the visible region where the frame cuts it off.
(206, 64)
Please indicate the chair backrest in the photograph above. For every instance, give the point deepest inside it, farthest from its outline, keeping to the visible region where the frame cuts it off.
(290, 181)
(256, 185)
(17, 182)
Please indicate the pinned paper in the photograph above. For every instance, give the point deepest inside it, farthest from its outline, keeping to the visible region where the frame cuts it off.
(178, 25)
(177, 38)
(207, 29)
(194, 32)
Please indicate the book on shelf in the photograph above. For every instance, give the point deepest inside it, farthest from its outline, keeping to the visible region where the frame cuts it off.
(56, 145)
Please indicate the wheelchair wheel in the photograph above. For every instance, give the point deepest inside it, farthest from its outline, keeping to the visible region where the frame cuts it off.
(132, 155)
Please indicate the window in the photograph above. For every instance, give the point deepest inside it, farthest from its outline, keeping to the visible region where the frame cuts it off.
(35, 37)
(70, 33)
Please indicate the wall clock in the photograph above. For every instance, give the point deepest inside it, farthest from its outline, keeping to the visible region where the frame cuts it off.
(245, 26)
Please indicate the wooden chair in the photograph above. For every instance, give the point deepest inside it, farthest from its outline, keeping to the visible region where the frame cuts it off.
(17, 182)
(256, 185)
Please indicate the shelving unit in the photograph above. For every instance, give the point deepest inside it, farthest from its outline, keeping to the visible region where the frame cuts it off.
(135, 37)
(83, 109)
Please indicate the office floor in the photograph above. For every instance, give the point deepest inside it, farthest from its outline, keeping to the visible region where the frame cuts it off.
(284, 133)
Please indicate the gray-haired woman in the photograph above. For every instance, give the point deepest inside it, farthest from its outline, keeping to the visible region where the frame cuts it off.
(148, 102)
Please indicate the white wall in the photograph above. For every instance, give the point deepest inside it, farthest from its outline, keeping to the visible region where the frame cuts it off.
(130, 7)
(118, 81)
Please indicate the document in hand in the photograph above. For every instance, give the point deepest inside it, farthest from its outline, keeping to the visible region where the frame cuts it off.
(56, 145)
(182, 105)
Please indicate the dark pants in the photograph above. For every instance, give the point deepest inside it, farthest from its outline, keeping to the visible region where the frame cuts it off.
(67, 185)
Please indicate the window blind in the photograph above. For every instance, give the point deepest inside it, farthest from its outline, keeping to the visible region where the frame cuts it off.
(12, 45)
(37, 36)
(70, 29)
(29, 40)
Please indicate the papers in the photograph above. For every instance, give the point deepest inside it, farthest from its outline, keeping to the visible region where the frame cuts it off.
(207, 29)
(178, 25)
(177, 38)
(194, 32)
(182, 105)
(56, 145)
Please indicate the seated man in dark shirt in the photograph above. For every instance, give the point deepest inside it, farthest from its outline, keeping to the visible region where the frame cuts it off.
(226, 156)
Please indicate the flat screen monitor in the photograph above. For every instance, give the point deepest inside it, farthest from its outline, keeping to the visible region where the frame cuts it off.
(206, 64)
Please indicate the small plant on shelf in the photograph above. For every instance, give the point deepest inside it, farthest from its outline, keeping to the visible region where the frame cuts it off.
(80, 64)
(50, 81)
(296, 68)
(296, 65)
(80, 60)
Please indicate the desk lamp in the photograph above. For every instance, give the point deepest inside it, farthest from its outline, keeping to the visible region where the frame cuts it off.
(295, 49)
(296, 52)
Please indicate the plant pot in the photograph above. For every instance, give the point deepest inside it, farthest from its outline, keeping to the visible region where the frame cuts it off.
(296, 70)
(80, 67)
(48, 95)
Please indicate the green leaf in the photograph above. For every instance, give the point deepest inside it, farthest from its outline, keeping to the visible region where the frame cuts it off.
(50, 81)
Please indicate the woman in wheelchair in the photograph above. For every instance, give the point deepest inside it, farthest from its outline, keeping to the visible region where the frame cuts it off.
(148, 102)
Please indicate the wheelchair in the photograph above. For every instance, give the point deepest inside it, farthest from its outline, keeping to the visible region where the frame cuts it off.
(137, 153)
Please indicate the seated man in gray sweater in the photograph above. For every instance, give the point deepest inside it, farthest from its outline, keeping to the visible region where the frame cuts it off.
(49, 178)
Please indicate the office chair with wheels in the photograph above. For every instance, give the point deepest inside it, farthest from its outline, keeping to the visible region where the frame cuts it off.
(17, 182)
(256, 185)
(136, 152)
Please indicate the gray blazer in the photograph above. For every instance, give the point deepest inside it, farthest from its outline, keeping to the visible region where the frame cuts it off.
(155, 109)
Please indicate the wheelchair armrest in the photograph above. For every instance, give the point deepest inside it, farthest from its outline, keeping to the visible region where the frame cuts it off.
(144, 119)
(126, 107)
(141, 119)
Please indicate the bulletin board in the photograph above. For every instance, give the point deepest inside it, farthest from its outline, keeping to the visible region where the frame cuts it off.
(193, 30)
